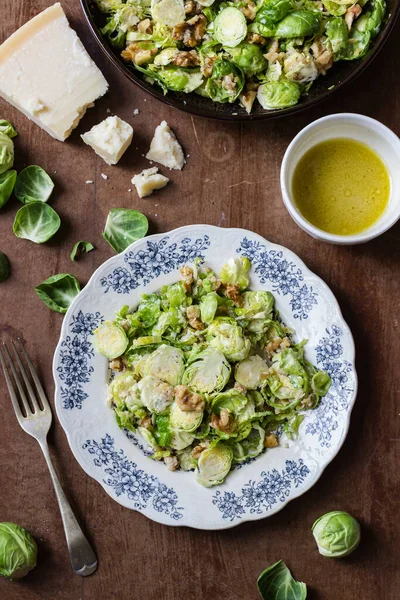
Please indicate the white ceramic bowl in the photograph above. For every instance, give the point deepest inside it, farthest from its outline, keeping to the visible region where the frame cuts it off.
(362, 129)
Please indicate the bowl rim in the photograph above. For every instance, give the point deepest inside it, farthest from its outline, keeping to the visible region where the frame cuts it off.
(391, 19)
(299, 219)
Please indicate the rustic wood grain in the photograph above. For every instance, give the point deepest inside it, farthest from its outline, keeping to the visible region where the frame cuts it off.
(231, 179)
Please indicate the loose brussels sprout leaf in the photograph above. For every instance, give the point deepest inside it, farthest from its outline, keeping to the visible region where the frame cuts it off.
(4, 267)
(256, 305)
(208, 372)
(172, 319)
(80, 247)
(226, 82)
(236, 272)
(278, 94)
(251, 372)
(273, 11)
(185, 420)
(337, 534)
(251, 446)
(336, 9)
(165, 57)
(179, 79)
(168, 12)
(181, 440)
(6, 153)
(277, 583)
(377, 16)
(162, 431)
(167, 363)
(231, 400)
(149, 310)
(248, 57)
(7, 183)
(111, 340)
(36, 222)
(123, 227)
(208, 307)
(214, 465)
(291, 428)
(7, 128)
(337, 34)
(225, 335)
(18, 551)
(148, 437)
(156, 395)
(230, 27)
(320, 383)
(58, 291)
(33, 185)
(108, 5)
(299, 23)
(123, 391)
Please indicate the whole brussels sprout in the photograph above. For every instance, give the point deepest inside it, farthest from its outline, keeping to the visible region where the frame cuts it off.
(337, 534)
(18, 551)
(278, 94)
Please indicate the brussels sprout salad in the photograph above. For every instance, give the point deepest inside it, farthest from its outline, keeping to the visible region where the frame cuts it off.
(272, 50)
(206, 372)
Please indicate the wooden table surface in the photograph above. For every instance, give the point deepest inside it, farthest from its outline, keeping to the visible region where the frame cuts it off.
(231, 179)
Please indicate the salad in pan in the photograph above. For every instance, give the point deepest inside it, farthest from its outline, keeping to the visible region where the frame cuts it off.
(272, 50)
(206, 372)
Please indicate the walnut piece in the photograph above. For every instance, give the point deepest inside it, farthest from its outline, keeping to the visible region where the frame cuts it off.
(273, 52)
(187, 400)
(271, 441)
(207, 67)
(224, 422)
(145, 26)
(116, 364)
(249, 10)
(192, 8)
(146, 422)
(187, 278)
(256, 38)
(193, 315)
(233, 293)
(191, 32)
(277, 343)
(172, 463)
(137, 55)
(187, 59)
(352, 13)
(197, 450)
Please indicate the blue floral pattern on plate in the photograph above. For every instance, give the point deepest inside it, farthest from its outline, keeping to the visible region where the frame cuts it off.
(261, 496)
(125, 478)
(158, 258)
(74, 367)
(285, 276)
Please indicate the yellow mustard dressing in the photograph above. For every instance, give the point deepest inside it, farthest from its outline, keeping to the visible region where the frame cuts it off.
(341, 186)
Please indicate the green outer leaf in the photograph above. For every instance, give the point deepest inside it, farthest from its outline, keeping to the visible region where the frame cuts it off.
(6, 153)
(277, 583)
(4, 267)
(18, 551)
(123, 227)
(80, 247)
(7, 128)
(7, 183)
(58, 291)
(33, 185)
(36, 222)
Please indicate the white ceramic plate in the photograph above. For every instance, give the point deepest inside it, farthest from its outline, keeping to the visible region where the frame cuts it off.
(118, 461)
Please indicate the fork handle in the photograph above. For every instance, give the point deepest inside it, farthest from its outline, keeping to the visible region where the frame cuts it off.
(82, 556)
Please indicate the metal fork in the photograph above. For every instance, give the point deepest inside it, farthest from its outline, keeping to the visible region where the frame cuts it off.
(35, 418)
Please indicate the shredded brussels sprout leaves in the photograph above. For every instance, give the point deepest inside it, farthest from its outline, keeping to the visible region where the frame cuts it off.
(224, 49)
(206, 378)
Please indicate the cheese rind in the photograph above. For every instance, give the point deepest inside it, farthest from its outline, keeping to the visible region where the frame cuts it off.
(149, 180)
(47, 74)
(165, 148)
(109, 139)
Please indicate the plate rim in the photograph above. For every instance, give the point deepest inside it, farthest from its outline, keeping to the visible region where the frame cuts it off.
(247, 517)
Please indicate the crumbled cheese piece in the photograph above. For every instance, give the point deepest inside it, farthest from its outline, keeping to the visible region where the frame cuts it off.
(104, 176)
(165, 148)
(149, 180)
(136, 111)
(46, 73)
(109, 139)
(89, 181)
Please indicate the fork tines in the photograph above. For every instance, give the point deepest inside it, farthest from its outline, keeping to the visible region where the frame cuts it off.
(31, 398)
